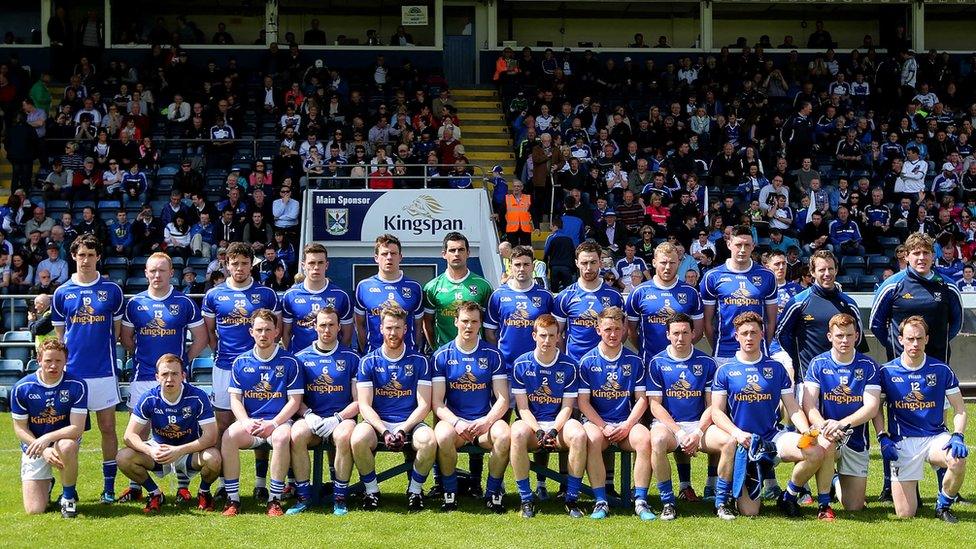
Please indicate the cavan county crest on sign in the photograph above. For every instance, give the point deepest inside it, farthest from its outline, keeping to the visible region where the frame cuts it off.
(337, 221)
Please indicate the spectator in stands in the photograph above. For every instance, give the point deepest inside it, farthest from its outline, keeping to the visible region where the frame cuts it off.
(39, 318)
(177, 237)
(135, 184)
(820, 38)
(121, 236)
(39, 222)
(257, 230)
(518, 217)
(228, 229)
(560, 255)
(173, 208)
(612, 235)
(286, 211)
(4, 270)
(147, 233)
(21, 274)
(187, 180)
(178, 113)
(314, 36)
(203, 241)
(86, 183)
(90, 224)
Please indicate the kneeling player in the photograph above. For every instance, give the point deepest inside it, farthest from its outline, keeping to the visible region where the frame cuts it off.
(679, 383)
(916, 388)
(329, 410)
(49, 408)
(745, 399)
(611, 397)
(183, 438)
(470, 389)
(393, 384)
(842, 394)
(265, 392)
(544, 382)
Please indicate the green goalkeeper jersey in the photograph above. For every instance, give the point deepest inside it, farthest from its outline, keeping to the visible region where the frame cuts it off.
(442, 295)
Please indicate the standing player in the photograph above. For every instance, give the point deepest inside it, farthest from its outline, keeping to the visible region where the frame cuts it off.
(577, 306)
(544, 382)
(387, 287)
(611, 398)
(227, 312)
(746, 396)
(775, 261)
(842, 396)
(916, 387)
(917, 290)
(329, 409)
(183, 435)
(304, 300)
(155, 323)
(470, 392)
(393, 385)
(49, 410)
(513, 308)
(739, 286)
(679, 386)
(648, 308)
(87, 312)
(265, 392)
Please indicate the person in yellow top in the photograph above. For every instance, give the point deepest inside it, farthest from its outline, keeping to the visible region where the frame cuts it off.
(518, 216)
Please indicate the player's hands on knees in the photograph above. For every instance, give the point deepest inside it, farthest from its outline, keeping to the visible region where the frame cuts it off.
(36, 448)
(164, 454)
(956, 448)
(52, 457)
(617, 433)
(462, 428)
(743, 438)
(267, 427)
(253, 427)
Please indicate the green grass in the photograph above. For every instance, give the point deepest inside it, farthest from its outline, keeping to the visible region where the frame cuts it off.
(124, 525)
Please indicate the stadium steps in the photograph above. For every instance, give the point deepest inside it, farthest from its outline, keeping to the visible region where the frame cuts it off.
(484, 131)
(6, 170)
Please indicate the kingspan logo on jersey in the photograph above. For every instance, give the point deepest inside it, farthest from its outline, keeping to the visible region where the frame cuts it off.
(424, 215)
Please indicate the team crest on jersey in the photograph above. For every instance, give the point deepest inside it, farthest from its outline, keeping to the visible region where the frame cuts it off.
(187, 411)
(337, 221)
(931, 380)
(280, 370)
(406, 292)
(174, 309)
(341, 365)
(102, 295)
(255, 298)
(627, 370)
(473, 288)
(536, 301)
(483, 363)
(330, 302)
(408, 370)
(697, 369)
(560, 377)
(757, 280)
(682, 298)
(605, 300)
(937, 296)
(768, 373)
(64, 396)
(858, 374)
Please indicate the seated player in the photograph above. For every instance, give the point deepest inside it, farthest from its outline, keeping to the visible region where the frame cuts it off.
(544, 382)
(746, 395)
(49, 408)
(916, 388)
(329, 409)
(679, 390)
(841, 395)
(393, 386)
(611, 398)
(265, 392)
(470, 390)
(183, 436)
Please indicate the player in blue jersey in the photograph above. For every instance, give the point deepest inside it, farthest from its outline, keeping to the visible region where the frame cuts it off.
(49, 408)
(746, 395)
(842, 394)
(679, 386)
(328, 411)
(393, 385)
(303, 300)
(155, 323)
(775, 261)
(737, 287)
(514, 306)
(266, 389)
(183, 435)
(470, 399)
(544, 382)
(577, 306)
(916, 388)
(87, 312)
(227, 309)
(387, 287)
(611, 398)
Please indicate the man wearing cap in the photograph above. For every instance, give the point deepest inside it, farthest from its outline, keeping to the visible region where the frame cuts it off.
(612, 235)
(947, 183)
(189, 284)
(218, 264)
(54, 264)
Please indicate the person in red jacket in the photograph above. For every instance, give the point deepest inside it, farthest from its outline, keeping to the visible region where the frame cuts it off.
(381, 178)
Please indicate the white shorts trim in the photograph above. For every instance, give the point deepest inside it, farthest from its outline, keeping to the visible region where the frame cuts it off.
(913, 454)
(103, 393)
(547, 425)
(137, 389)
(35, 468)
(852, 463)
(221, 383)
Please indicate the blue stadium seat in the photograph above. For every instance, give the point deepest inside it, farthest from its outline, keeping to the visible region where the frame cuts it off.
(198, 262)
(19, 353)
(201, 369)
(134, 285)
(110, 205)
(847, 282)
(11, 370)
(878, 261)
(852, 261)
(62, 205)
(32, 366)
(169, 170)
(889, 242)
(178, 264)
(866, 283)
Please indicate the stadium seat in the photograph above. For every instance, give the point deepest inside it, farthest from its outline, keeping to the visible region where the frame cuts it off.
(866, 283)
(109, 205)
(134, 285)
(852, 261)
(22, 354)
(11, 370)
(198, 262)
(201, 369)
(178, 264)
(139, 261)
(169, 170)
(82, 204)
(32, 366)
(889, 242)
(128, 369)
(847, 282)
(878, 261)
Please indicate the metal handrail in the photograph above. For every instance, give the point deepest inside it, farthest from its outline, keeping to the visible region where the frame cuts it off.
(478, 169)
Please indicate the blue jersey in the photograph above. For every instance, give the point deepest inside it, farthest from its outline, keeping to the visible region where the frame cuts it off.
(47, 408)
(754, 391)
(468, 378)
(578, 309)
(373, 293)
(175, 423)
(545, 385)
(159, 327)
(733, 293)
(650, 305)
(842, 387)
(784, 293)
(300, 305)
(265, 385)
(681, 383)
(626, 268)
(611, 382)
(329, 378)
(915, 398)
(512, 313)
(232, 309)
(395, 382)
(88, 313)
